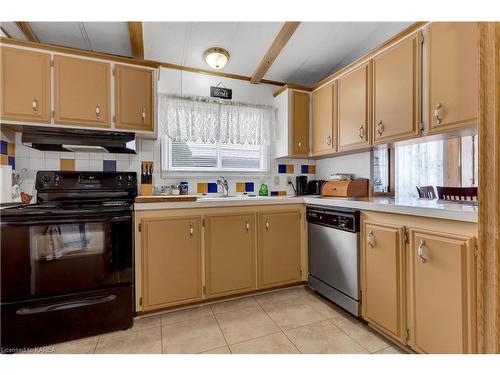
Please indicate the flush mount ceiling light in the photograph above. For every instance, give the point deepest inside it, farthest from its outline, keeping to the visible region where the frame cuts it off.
(216, 57)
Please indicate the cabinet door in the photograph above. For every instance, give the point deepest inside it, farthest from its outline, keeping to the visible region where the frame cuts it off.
(25, 85)
(134, 98)
(171, 251)
(383, 272)
(441, 288)
(300, 123)
(81, 92)
(278, 248)
(324, 120)
(452, 60)
(396, 80)
(230, 254)
(353, 92)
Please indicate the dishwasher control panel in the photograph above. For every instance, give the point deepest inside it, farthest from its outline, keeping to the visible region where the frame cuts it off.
(347, 220)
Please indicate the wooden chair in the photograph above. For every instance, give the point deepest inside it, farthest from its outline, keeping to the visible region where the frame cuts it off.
(457, 193)
(426, 192)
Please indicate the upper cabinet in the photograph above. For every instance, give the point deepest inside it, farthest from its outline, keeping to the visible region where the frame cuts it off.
(134, 98)
(396, 92)
(293, 124)
(25, 85)
(82, 91)
(452, 68)
(353, 109)
(324, 120)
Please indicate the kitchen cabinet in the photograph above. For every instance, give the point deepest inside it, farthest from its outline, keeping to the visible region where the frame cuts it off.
(171, 261)
(82, 92)
(25, 85)
(293, 124)
(452, 63)
(383, 278)
(324, 120)
(279, 246)
(396, 92)
(354, 109)
(441, 285)
(230, 254)
(134, 98)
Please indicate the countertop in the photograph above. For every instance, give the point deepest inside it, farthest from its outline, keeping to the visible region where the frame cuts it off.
(418, 207)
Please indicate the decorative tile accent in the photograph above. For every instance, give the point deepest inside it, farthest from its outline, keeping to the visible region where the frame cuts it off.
(67, 165)
(3, 148)
(212, 187)
(4, 159)
(249, 186)
(12, 161)
(202, 188)
(281, 168)
(240, 187)
(310, 169)
(109, 165)
(11, 149)
(274, 193)
(290, 168)
(281, 193)
(278, 193)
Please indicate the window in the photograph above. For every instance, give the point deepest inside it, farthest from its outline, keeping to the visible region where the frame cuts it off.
(448, 162)
(216, 157)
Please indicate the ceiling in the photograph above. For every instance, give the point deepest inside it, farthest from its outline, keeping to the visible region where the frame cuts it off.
(314, 50)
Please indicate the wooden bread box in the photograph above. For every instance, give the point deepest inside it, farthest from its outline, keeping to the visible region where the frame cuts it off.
(357, 187)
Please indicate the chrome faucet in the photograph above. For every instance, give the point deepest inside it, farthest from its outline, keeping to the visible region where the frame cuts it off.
(225, 186)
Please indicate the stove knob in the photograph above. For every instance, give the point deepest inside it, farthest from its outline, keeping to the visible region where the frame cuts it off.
(119, 178)
(57, 178)
(130, 178)
(46, 179)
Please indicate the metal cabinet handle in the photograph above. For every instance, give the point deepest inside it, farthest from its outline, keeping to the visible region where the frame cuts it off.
(370, 239)
(420, 251)
(191, 230)
(34, 105)
(329, 140)
(143, 114)
(98, 111)
(267, 224)
(299, 143)
(380, 128)
(247, 226)
(361, 132)
(437, 113)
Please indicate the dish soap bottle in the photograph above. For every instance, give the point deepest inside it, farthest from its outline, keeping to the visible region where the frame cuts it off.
(263, 192)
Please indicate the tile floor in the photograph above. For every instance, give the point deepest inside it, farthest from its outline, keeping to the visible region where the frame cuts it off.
(287, 321)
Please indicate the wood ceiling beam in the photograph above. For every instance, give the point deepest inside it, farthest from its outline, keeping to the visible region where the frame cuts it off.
(136, 40)
(279, 42)
(26, 29)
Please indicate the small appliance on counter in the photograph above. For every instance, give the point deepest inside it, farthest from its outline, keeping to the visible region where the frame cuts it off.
(301, 185)
(314, 187)
(357, 187)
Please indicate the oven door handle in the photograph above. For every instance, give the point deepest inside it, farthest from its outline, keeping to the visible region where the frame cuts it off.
(81, 220)
(66, 305)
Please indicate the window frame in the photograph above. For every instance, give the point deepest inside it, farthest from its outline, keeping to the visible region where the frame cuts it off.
(167, 170)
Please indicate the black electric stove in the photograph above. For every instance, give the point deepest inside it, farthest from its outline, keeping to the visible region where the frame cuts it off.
(67, 261)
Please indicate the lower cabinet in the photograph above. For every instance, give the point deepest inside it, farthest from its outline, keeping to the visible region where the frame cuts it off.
(383, 273)
(278, 248)
(230, 255)
(420, 292)
(171, 261)
(441, 289)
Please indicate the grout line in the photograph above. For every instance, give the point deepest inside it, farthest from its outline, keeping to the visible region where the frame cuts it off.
(221, 331)
(161, 335)
(97, 343)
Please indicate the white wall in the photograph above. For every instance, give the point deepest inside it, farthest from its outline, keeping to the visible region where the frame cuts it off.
(186, 83)
(358, 164)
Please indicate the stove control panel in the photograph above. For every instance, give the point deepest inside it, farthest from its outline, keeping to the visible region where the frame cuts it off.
(66, 180)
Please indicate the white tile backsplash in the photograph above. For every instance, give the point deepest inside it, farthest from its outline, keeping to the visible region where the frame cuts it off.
(95, 165)
(82, 164)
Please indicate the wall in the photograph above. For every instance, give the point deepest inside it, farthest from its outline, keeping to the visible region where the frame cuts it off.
(178, 82)
(358, 164)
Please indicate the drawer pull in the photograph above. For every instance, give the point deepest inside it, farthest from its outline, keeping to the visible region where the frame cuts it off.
(380, 128)
(143, 114)
(191, 230)
(329, 140)
(34, 105)
(361, 132)
(98, 111)
(371, 239)
(420, 251)
(247, 226)
(267, 225)
(437, 113)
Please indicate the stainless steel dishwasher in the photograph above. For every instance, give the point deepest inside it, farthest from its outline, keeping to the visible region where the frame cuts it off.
(333, 242)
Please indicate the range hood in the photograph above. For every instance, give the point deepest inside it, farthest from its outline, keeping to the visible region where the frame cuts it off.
(78, 140)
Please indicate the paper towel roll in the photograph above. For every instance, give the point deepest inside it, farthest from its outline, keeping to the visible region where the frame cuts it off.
(6, 183)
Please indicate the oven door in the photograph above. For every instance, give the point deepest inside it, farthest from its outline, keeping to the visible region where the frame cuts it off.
(44, 257)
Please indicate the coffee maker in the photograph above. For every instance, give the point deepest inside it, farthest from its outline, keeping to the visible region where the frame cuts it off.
(301, 185)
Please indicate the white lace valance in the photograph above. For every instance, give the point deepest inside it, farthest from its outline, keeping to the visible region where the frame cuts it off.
(211, 120)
